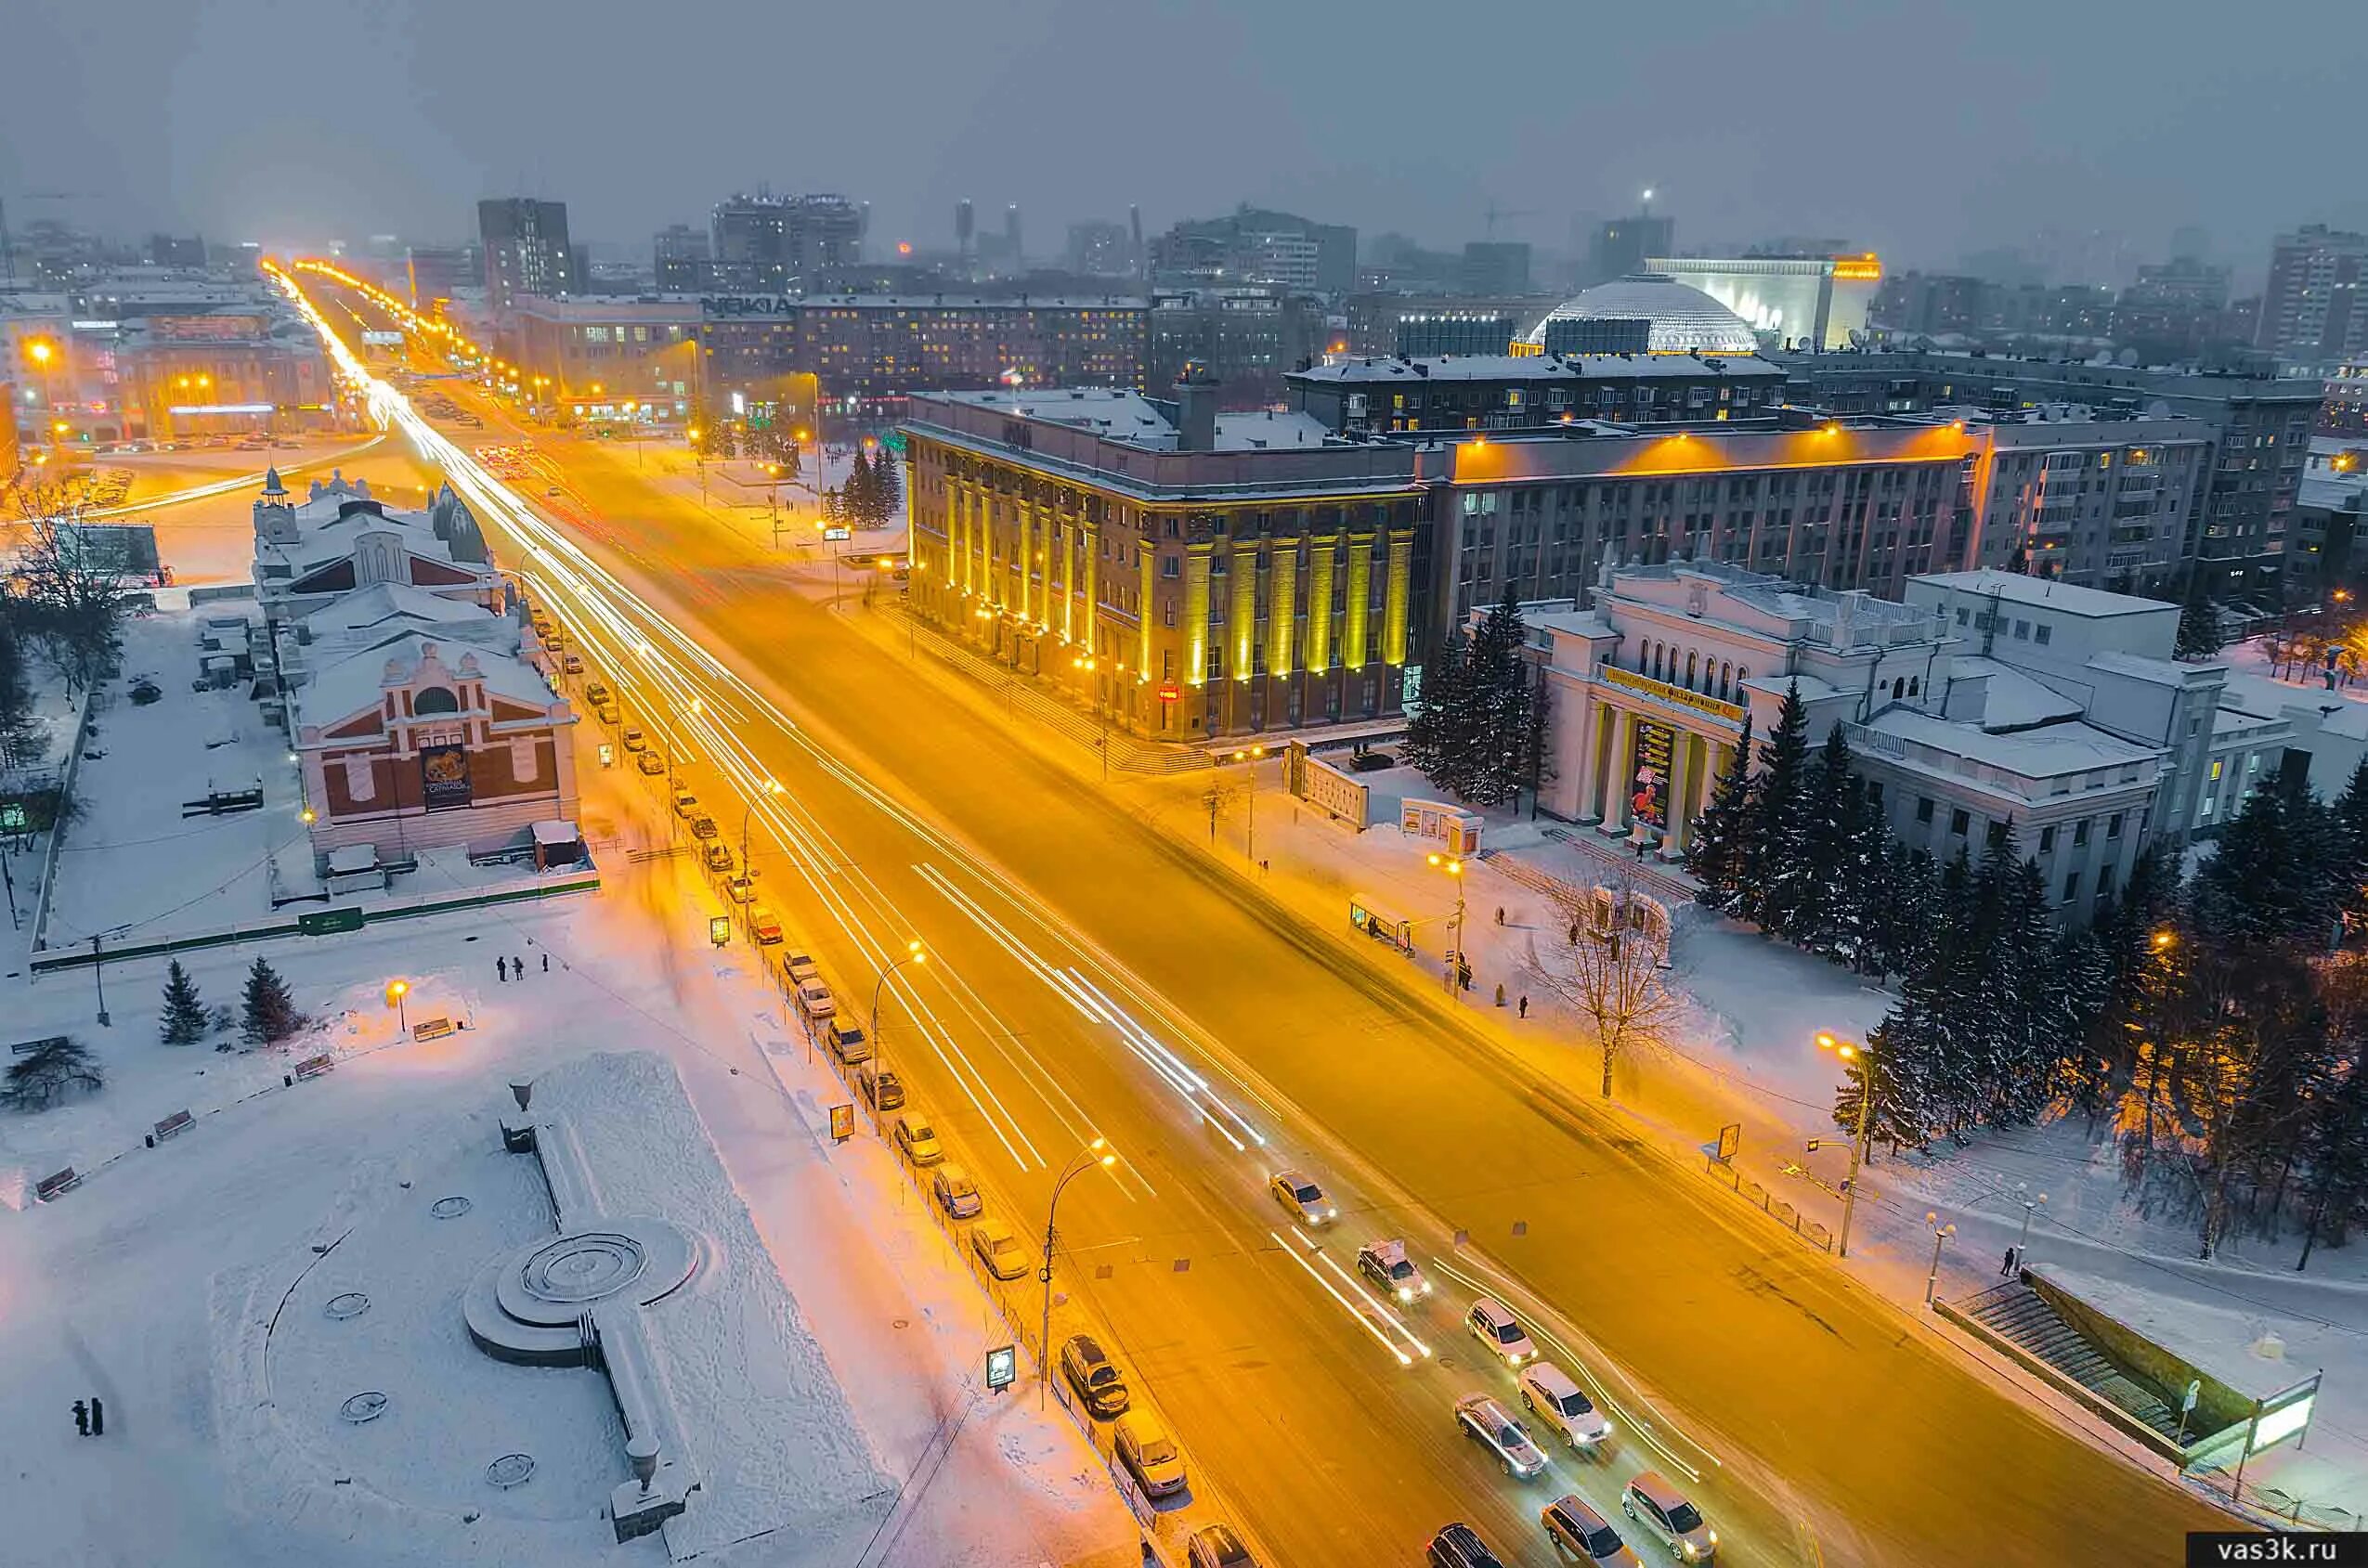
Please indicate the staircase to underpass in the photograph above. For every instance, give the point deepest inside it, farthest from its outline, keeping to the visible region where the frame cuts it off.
(2019, 1315)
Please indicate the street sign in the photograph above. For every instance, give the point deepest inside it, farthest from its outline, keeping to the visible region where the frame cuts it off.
(1169, 692)
(718, 929)
(1003, 1369)
(12, 817)
(835, 535)
(327, 922)
(843, 1122)
(607, 754)
(2194, 1391)
(1730, 1140)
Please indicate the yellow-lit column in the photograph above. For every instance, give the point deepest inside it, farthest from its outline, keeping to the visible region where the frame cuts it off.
(1395, 595)
(1325, 552)
(1146, 606)
(1243, 632)
(1354, 648)
(1282, 584)
(1196, 615)
(1618, 772)
(1090, 543)
(1681, 779)
(1026, 554)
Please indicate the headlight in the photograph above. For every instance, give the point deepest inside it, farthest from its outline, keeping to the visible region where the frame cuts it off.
(1332, 1213)
(1404, 1294)
(1426, 1287)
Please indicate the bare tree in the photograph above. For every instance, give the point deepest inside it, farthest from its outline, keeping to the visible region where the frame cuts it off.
(67, 593)
(1610, 971)
(1218, 800)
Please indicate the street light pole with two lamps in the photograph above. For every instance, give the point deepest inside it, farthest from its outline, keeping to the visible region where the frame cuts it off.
(914, 953)
(1454, 868)
(1086, 1158)
(1250, 839)
(1849, 1051)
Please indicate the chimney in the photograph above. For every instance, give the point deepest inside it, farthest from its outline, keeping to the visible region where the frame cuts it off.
(1195, 408)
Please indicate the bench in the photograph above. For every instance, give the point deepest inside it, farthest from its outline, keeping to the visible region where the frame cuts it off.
(27, 1047)
(313, 1066)
(176, 1122)
(431, 1029)
(50, 1187)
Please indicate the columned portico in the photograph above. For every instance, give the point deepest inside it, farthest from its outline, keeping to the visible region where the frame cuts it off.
(1657, 748)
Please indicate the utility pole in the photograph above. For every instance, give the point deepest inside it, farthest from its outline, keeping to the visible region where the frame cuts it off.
(1084, 1159)
(1851, 1051)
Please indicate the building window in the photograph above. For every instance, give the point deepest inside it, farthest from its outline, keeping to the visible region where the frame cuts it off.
(1996, 836)
(1959, 822)
(1924, 808)
(2046, 839)
(2042, 634)
(1167, 612)
(2071, 885)
(1168, 566)
(2080, 831)
(2023, 631)
(2113, 826)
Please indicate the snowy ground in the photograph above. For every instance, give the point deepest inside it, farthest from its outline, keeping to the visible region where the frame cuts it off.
(115, 1287)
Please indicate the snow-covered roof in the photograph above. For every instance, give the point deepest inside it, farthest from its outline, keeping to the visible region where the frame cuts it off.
(2160, 672)
(2015, 588)
(1539, 367)
(387, 605)
(2047, 752)
(352, 684)
(2012, 700)
(1116, 414)
(1683, 317)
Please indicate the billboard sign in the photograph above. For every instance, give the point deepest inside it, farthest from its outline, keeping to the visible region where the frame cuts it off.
(444, 777)
(1649, 778)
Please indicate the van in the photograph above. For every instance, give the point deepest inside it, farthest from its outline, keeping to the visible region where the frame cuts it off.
(1665, 1514)
(848, 1043)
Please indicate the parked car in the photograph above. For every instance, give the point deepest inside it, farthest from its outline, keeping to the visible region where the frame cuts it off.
(1386, 1264)
(1663, 1512)
(1548, 1390)
(1578, 1531)
(881, 1086)
(1094, 1378)
(649, 762)
(763, 923)
(998, 1249)
(1150, 1454)
(1492, 1427)
(1493, 1323)
(703, 827)
(1459, 1546)
(815, 1004)
(594, 690)
(607, 713)
(919, 1141)
(572, 662)
(740, 889)
(633, 737)
(716, 855)
(686, 805)
(1215, 1545)
(798, 967)
(848, 1043)
(1303, 1197)
(951, 1187)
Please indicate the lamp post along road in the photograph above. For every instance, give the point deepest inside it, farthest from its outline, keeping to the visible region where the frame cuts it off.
(1454, 868)
(1849, 1051)
(1093, 1154)
(914, 953)
(1250, 838)
(1941, 1234)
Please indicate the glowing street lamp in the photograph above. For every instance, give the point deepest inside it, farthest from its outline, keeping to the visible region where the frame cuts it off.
(1250, 832)
(396, 992)
(914, 953)
(1849, 1051)
(1454, 868)
(1093, 1154)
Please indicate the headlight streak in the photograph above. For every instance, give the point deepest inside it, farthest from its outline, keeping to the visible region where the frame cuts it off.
(1346, 1304)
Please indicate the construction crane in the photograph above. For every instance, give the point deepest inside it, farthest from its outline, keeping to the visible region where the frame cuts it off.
(1496, 211)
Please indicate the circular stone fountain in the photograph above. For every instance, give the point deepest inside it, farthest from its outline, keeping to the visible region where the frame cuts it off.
(530, 1306)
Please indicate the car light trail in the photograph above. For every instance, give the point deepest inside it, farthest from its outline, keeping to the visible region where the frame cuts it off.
(1346, 1304)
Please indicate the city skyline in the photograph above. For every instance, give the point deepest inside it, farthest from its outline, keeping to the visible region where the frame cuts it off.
(1922, 159)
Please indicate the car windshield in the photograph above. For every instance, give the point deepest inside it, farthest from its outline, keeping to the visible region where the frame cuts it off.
(1602, 1542)
(1509, 1436)
(920, 1129)
(1158, 1451)
(1682, 1518)
(1307, 1192)
(1507, 1331)
(1574, 1403)
(1401, 1269)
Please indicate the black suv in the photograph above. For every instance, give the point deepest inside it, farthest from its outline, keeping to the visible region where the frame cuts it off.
(1090, 1373)
(1459, 1546)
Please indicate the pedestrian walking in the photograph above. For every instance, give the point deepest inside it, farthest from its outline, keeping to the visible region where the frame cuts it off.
(1499, 993)
(1525, 1007)
(501, 968)
(2007, 1267)
(81, 1418)
(98, 1417)
(1637, 844)
(518, 967)
(546, 962)
(1499, 914)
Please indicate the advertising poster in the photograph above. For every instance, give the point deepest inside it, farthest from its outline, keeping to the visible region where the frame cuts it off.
(1649, 791)
(444, 777)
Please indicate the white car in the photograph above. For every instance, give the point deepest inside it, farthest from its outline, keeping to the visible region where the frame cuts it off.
(955, 1192)
(1548, 1390)
(1493, 1324)
(1303, 1197)
(1386, 1264)
(1491, 1425)
(919, 1141)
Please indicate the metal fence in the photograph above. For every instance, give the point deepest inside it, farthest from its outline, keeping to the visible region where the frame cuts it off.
(1751, 1192)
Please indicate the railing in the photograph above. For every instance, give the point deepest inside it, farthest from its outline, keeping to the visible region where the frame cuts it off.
(1751, 1192)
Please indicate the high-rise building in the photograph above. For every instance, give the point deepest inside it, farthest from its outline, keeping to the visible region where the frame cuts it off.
(1620, 247)
(684, 260)
(1250, 245)
(1099, 250)
(767, 244)
(526, 250)
(1244, 338)
(965, 234)
(436, 272)
(166, 250)
(1496, 266)
(2173, 311)
(2314, 309)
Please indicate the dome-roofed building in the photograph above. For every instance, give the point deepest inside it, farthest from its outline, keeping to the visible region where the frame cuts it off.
(1642, 313)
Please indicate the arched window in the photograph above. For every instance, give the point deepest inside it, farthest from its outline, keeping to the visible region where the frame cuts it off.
(1742, 676)
(436, 699)
(1689, 671)
(1727, 675)
(1913, 683)
(1898, 690)
(1656, 670)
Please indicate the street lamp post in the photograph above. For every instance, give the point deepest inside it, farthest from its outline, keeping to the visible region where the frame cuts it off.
(1093, 1154)
(914, 953)
(1851, 1051)
(1941, 1235)
(1250, 836)
(769, 786)
(1454, 868)
(396, 992)
(2030, 1205)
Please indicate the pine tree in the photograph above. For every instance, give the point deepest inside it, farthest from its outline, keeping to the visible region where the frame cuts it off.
(1719, 851)
(1779, 828)
(2275, 876)
(856, 501)
(1832, 850)
(2348, 832)
(185, 1019)
(2199, 626)
(888, 485)
(1896, 1115)
(270, 1012)
(2028, 999)
(1503, 706)
(1438, 744)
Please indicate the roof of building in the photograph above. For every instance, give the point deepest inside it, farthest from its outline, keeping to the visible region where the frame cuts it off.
(2012, 700)
(687, 308)
(2046, 752)
(1683, 317)
(1540, 368)
(1116, 414)
(352, 684)
(2016, 588)
(369, 611)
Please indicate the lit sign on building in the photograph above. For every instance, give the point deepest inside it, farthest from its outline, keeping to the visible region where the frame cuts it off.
(748, 305)
(218, 408)
(1858, 269)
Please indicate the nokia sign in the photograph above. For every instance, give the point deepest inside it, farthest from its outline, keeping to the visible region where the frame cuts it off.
(748, 305)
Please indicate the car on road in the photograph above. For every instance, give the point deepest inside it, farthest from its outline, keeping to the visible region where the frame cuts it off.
(649, 762)
(1303, 1197)
(1493, 1323)
(1663, 1512)
(815, 1001)
(1216, 1546)
(951, 1187)
(1094, 1378)
(848, 1044)
(998, 1249)
(594, 690)
(607, 713)
(1578, 1531)
(919, 1141)
(703, 827)
(1459, 1546)
(1548, 1390)
(551, 490)
(1149, 1453)
(686, 805)
(716, 855)
(882, 1087)
(572, 662)
(1491, 1425)
(763, 923)
(1386, 1264)
(798, 967)
(634, 739)
(740, 889)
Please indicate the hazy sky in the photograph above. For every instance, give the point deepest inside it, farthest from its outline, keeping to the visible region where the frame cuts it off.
(1921, 130)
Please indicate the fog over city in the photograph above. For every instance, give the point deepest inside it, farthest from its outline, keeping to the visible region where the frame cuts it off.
(1922, 132)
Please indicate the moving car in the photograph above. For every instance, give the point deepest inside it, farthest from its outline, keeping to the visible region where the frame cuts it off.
(998, 1249)
(1091, 1374)
(1215, 1545)
(1303, 1197)
(1577, 1530)
(1548, 1390)
(1491, 1425)
(1150, 1454)
(1459, 1546)
(885, 1090)
(919, 1141)
(1493, 1324)
(1386, 1264)
(1662, 1511)
(954, 1191)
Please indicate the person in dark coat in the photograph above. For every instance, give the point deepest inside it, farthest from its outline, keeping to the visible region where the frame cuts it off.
(98, 1417)
(81, 1418)
(546, 962)
(501, 968)
(518, 967)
